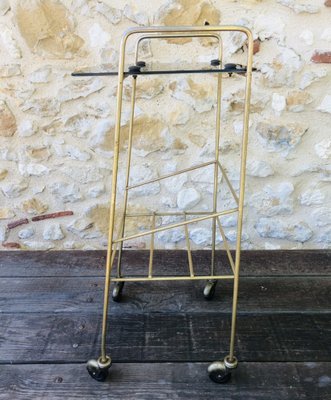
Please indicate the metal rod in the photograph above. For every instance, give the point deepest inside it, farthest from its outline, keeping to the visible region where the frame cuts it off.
(189, 254)
(226, 245)
(127, 177)
(113, 198)
(168, 214)
(234, 194)
(163, 228)
(173, 278)
(150, 267)
(217, 145)
(171, 175)
(241, 190)
(173, 36)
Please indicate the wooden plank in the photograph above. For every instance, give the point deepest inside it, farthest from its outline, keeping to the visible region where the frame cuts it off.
(26, 338)
(91, 263)
(74, 294)
(264, 381)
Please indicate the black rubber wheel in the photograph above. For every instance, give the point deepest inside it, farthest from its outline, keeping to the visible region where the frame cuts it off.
(117, 291)
(209, 290)
(218, 372)
(97, 373)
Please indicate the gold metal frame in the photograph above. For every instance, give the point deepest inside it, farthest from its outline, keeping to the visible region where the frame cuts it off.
(115, 245)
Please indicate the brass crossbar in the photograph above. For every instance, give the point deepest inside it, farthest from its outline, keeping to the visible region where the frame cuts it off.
(173, 278)
(163, 228)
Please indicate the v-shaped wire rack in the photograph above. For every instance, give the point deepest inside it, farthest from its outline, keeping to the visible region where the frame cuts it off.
(97, 368)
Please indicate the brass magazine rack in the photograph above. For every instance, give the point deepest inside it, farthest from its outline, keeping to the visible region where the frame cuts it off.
(219, 371)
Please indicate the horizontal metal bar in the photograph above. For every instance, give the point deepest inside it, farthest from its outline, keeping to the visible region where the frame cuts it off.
(234, 194)
(167, 214)
(164, 228)
(173, 278)
(171, 175)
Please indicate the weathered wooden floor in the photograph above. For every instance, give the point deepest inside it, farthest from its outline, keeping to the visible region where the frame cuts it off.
(163, 335)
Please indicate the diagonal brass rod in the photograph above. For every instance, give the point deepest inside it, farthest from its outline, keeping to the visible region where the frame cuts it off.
(189, 254)
(234, 194)
(226, 245)
(163, 228)
(171, 175)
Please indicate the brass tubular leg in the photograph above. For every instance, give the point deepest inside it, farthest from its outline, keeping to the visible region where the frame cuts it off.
(104, 358)
(231, 357)
(125, 201)
(217, 145)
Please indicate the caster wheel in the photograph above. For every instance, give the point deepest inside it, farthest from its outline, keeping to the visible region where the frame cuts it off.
(117, 291)
(218, 372)
(96, 371)
(209, 290)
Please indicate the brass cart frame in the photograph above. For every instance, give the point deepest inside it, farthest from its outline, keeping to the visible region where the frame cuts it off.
(219, 371)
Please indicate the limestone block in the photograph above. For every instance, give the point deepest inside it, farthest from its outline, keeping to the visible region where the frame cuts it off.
(175, 183)
(275, 228)
(35, 245)
(231, 235)
(188, 198)
(6, 213)
(307, 36)
(83, 174)
(67, 192)
(302, 6)
(41, 75)
(322, 216)
(10, 70)
(43, 107)
(200, 96)
(33, 206)
(7, 120)
(38, 153)
(33, 169)
(3, 173)
(282, 70)
(26, 233)
(53, 232)
(4, 6)
(187, 12)
(201, 236)
(310, 77)
(280, 137)
(27, 128)
(274, 199)
(324, 237)
(3, 233)
(146, 89)
(80, 225)
(72, 152)
(48, 28)
(80, 89)
(98, 37)
(9, 42)
(235, 102)
(135, 16)
(113, 15)
(14, 189)
(278, 103)
(171, 236)
(79, 124)
(150, 135)
(325, 106)
(259, 168)
(142, 173)
(297, 99)
(326, 34)
(323, 149)
(179, 114)
(96, 190)
(311, 196)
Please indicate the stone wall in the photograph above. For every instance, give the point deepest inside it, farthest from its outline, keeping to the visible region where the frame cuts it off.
(56, 131)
